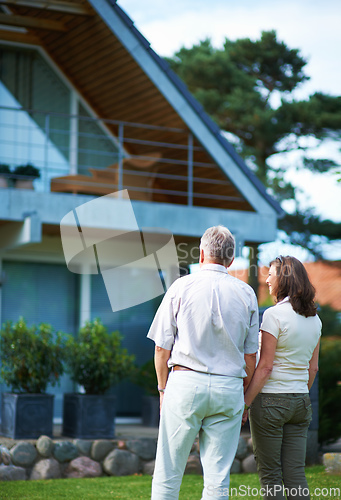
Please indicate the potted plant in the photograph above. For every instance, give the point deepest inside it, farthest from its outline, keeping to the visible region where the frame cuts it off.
(31, 358)
(96, 362)
(5, 174)
(24, 176)
(146, 378)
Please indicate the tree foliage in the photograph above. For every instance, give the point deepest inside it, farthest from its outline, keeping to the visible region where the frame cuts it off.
(247, 88)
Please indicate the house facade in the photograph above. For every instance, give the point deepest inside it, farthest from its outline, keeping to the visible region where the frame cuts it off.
(122, 148)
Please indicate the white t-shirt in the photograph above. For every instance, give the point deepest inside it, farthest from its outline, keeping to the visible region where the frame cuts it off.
(297, 337)
(208, 320)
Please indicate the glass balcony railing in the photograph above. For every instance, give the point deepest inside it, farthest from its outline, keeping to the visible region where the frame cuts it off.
(80, 154)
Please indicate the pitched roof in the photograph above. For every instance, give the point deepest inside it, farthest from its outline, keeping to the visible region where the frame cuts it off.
(324, 275)
(197, 107)
(117, 75)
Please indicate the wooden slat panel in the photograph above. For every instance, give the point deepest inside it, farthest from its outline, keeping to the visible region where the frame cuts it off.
(156, 115)
(79, 8)
(71, 45)
(105, 78)
(103, 40)
(18, 37)
(75, 27)
(31, 22)
(85, 57)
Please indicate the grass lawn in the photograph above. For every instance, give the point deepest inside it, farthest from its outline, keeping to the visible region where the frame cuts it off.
(138, 487)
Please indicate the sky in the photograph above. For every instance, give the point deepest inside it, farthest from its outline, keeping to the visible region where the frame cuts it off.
(312, 26)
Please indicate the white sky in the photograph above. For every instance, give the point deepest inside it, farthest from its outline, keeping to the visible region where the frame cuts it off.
(312, 26)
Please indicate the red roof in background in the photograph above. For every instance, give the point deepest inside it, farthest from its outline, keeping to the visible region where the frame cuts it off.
(324, 275)
(326, 278)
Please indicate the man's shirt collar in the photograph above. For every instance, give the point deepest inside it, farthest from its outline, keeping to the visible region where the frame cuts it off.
(214, 267)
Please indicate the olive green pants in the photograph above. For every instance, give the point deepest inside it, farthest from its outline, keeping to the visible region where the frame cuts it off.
(279, 427)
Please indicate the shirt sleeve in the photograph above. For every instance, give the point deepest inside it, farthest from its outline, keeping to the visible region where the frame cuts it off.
(320, 324)
(163, 328)
(270, 322)
(251, 341)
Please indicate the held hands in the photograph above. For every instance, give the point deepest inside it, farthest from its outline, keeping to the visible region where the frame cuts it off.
(245, 416)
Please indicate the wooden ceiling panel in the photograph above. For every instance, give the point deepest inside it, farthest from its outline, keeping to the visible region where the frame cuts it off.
(119, 82)
(78, 7)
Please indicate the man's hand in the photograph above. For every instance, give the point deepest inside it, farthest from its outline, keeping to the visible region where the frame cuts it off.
(250, 362)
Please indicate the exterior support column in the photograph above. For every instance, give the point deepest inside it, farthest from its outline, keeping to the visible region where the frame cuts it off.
(253, 267)
(85, 296)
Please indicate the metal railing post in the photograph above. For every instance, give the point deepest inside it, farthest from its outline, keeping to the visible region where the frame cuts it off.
(46, 153)
(120, 158)
(190, 170)
(74, 132)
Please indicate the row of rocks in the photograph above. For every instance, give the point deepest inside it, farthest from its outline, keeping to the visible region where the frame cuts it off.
(48, 459)
(332, 463)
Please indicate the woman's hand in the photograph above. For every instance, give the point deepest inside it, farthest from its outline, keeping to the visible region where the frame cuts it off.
(245, 416)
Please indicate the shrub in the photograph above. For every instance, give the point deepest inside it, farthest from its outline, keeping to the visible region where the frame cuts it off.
(146, 378)
(330, 321)
(96, 360)
(31, 357)
(27, 171)
(4, 169)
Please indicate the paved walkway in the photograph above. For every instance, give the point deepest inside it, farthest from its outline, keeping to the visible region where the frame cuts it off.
(122, 431)
(332, 448)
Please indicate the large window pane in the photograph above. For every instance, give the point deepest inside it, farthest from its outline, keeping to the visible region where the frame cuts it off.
(96, 149)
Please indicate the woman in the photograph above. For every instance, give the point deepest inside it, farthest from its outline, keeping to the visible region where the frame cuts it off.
(281, 409)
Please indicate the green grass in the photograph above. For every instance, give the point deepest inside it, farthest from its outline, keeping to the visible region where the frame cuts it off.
(138, 487)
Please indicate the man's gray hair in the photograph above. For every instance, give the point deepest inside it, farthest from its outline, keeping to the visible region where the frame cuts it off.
(218, 244)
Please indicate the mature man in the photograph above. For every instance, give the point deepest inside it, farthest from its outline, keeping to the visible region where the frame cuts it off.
(206, 331)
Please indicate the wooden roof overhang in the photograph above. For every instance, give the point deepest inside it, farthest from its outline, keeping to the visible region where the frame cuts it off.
(90, 50)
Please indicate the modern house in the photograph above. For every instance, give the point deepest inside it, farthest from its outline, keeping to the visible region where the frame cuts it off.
(85, 99)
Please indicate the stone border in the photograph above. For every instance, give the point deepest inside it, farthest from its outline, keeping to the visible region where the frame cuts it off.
(55, 459)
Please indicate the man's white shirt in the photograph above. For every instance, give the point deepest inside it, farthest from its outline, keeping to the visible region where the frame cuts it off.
(208, 320)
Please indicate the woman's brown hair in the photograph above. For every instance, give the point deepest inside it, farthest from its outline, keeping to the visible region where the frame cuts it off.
(293, 282)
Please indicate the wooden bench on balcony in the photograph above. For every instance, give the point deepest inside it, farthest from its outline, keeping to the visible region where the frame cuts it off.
(138, 177)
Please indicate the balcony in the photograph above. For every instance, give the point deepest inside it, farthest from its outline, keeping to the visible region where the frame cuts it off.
(92, 156)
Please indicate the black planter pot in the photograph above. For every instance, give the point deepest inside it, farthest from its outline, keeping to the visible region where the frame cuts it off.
(88, 416)
(150, 411)
(26, 416)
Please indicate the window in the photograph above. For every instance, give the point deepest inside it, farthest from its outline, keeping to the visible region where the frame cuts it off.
(44, 135)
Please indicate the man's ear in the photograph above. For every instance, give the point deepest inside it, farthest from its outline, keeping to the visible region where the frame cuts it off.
(230, 264)
(202, 256)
